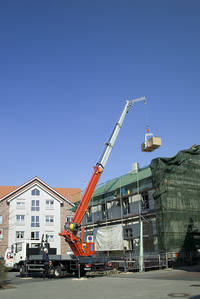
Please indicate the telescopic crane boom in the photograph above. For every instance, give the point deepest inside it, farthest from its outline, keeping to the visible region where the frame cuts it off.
(70, 235)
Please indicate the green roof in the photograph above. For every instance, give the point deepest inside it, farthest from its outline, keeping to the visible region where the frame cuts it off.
(124, 180)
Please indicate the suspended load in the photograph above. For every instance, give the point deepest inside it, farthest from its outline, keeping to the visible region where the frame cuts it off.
(151, 142)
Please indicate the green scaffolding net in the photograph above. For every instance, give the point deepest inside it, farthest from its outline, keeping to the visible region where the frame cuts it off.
(176, 182)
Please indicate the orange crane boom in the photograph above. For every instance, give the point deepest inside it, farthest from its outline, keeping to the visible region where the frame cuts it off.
(70, 234)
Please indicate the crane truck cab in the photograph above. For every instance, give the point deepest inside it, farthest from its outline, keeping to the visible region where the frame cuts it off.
(22, 250)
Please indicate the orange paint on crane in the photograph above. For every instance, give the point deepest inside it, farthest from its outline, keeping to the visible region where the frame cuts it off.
(75, 243)
(80, 212)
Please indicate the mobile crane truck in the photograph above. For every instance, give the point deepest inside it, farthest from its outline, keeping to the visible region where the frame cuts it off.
(83, 258)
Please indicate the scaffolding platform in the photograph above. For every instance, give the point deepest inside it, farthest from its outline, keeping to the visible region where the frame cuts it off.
(151, 144)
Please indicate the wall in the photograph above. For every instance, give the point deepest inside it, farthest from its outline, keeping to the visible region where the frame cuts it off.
(44, 228)
(126, 212)
(65, 211)
(4, 212)
(117, 208)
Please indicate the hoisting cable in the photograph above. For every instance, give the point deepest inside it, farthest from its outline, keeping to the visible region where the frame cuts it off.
(148, 134)
(147, 117)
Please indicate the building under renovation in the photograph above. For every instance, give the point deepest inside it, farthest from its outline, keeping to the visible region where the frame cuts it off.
(162, 200)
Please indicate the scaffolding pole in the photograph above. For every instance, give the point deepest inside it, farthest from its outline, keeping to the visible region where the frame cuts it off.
(141, 258)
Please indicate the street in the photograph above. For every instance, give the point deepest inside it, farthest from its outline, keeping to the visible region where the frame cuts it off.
(160, 284)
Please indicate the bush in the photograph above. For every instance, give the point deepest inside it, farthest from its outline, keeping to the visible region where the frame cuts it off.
(3, 271)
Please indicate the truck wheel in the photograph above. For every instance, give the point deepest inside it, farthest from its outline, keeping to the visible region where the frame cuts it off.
(57, 272)
(22, 270)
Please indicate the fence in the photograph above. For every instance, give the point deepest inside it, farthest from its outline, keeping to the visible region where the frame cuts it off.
(158, 261)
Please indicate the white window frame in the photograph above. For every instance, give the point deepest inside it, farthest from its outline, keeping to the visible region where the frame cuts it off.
(35, 221)
(35, 233)
(35, 192)
(49, 220)
(20, 219)
(20, 235)
(20, 204)
(35, 205)
(1, 219)
(49, 204)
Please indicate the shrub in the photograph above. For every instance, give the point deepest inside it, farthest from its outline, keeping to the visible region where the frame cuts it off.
(3, 271)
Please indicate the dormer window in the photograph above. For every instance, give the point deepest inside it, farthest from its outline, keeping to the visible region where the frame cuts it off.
(35, 192)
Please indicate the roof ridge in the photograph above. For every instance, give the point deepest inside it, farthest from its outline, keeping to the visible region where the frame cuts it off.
(123, 175)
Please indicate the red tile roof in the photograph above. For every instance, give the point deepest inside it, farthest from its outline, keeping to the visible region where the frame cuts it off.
(72, 194)
(4, 190)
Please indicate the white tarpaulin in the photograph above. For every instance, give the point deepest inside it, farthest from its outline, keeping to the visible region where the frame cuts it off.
(108, 238)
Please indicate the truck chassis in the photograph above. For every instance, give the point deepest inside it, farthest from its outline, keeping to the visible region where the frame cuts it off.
(61, 265)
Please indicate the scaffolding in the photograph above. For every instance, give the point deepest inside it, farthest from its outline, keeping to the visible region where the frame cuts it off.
(174, 222)
(176, 182)
(124, 201)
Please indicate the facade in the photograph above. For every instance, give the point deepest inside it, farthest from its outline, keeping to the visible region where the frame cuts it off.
(121, 204)
(163, 198)
(34, 209)
(176, 182)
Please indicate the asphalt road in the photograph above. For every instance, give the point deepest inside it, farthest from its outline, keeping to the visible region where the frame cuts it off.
(182, 283)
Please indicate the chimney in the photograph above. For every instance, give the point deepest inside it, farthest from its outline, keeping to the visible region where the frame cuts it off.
(135, 167)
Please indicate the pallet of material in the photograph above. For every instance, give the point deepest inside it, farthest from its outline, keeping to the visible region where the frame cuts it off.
(151, 144)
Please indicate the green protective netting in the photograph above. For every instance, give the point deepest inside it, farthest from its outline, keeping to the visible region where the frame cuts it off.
(176, 182)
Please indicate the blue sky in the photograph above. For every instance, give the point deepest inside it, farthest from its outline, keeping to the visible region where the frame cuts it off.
(66, 70)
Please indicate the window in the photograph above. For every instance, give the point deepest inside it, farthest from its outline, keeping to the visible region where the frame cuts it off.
(69, 219)
(145, 200)
(118, 202)
(128, 233)
(35, 205)
(20, 205)
(49, 219)
(35, 222)
(1, 233)
(0, 219)
(126, 206)
(50, 236)
(35, 245)
(104, 211)
(49, 204)
(34, 235)
(35, 192)
(89, 214)
(20, 219)
(116, 194)
(18, 247)
(19, 236)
